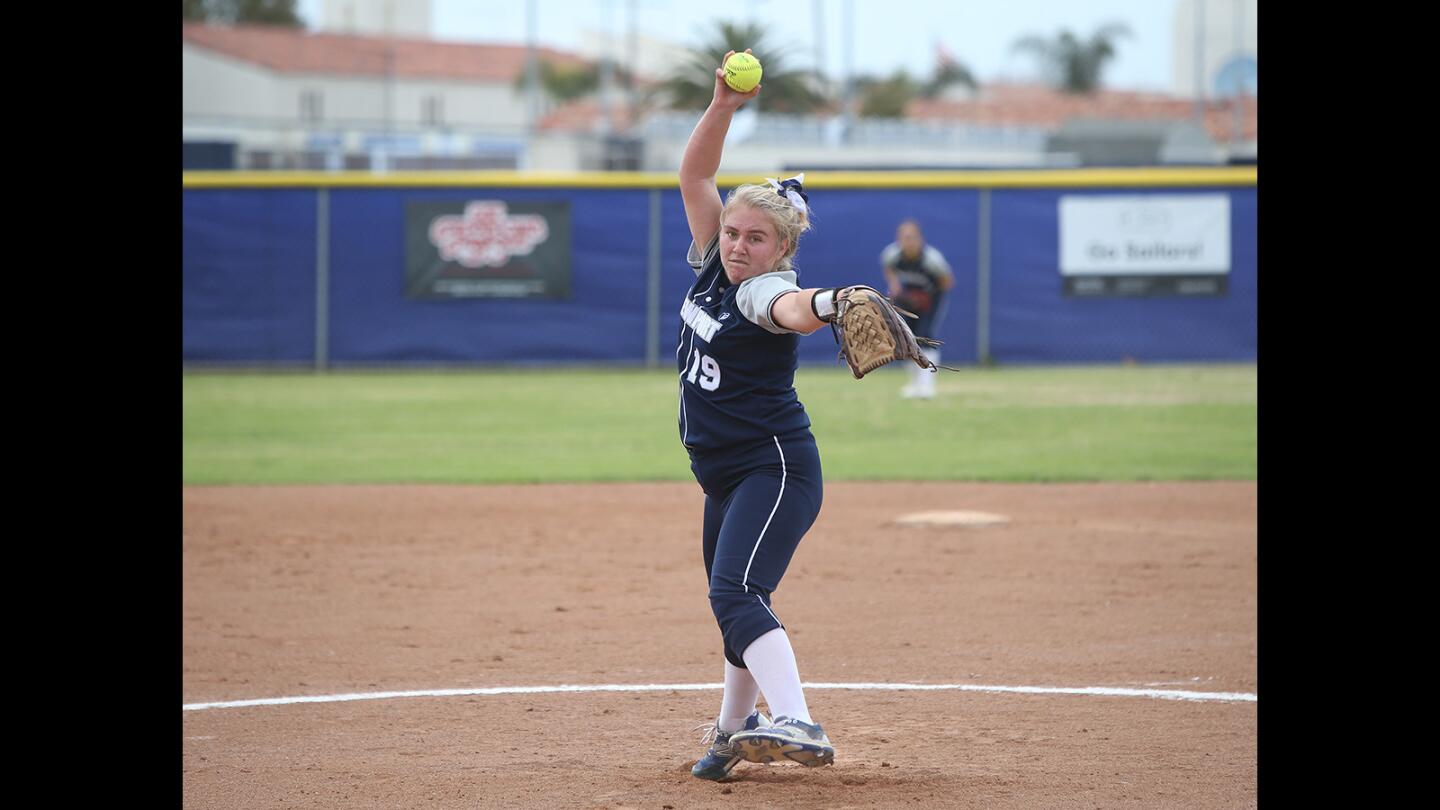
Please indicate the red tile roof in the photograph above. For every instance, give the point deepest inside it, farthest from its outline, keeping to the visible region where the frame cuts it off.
(291, 50)
(584, 115)
(1038, 106)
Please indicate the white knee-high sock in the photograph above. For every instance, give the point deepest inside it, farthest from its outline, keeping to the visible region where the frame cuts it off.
(927, 378)
(738, 701)
(772, 664)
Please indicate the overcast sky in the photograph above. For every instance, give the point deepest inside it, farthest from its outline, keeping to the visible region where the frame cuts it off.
(888, 34)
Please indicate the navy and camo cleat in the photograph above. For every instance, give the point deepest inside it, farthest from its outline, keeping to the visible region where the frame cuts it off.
(787, 740)
(721, 759)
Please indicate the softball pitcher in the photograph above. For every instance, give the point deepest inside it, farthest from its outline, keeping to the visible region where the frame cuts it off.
(748, 436)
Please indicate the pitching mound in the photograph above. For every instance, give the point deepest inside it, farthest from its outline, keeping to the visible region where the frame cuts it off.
(951, 518)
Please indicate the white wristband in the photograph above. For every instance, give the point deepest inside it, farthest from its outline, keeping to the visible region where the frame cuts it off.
(823, 304)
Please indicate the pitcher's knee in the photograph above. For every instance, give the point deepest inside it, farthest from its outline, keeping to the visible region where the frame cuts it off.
(743, 617)
(727, 599)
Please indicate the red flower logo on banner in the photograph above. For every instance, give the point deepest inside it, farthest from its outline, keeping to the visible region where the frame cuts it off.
(487, 234)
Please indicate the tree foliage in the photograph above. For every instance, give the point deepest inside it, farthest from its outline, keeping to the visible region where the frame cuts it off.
(886, 98)
(564, 83)
(1071, 64)
(947, 74)
(254, 12)
(784, 88)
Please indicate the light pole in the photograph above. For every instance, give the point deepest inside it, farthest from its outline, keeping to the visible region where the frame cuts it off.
(607, 68)
(819, 14)
(849, 46)
(632, 51)
(1238, 98)
(1200, 62)
(532, 79)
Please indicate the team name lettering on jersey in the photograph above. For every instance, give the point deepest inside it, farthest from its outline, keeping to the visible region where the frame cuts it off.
(699, 320)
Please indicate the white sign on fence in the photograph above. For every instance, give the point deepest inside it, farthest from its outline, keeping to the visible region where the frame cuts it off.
(1146, 235)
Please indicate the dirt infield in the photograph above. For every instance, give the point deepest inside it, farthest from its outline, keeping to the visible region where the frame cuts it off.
(313, 591)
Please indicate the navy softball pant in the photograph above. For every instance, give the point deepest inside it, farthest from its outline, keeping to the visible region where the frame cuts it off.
(929, 321)
(759, 501)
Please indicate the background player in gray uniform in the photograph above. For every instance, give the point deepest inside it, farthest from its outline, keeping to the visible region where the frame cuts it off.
(919, 278)
(748, 436)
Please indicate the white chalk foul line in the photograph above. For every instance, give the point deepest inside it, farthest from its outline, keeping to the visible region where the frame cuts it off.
(1104, 691)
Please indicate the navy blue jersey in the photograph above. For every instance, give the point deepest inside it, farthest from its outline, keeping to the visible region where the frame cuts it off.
(737, 376)
(919, 278)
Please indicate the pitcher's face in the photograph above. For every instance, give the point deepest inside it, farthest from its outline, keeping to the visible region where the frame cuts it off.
(749, 245)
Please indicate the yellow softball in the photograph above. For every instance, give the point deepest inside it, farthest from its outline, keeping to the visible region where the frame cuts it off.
(742, 72)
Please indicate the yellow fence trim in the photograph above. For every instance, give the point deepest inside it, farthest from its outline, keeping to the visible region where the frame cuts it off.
(1002, 178)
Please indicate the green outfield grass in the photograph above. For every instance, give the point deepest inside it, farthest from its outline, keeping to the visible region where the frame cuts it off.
(1109, 423)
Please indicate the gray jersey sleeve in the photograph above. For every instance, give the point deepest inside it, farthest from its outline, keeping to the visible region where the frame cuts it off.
(890, 255)
(757, 294)
(935, 263)
(697, 258)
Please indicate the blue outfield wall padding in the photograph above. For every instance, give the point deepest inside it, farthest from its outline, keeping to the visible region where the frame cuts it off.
(1032, 321)
(675, 274)
(249, 280)
(372, 321)
(248, 275)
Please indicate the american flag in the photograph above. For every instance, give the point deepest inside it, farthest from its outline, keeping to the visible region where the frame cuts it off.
(943, 57)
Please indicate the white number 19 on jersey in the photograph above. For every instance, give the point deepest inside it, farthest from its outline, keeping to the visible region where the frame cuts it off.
(707, 370)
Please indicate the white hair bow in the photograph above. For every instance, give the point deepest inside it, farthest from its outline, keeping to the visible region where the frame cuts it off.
(793, 190)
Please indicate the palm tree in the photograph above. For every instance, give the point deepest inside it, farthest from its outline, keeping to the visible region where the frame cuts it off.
(563, 83)
(1070, 64)
(690, 86)
(886, 98)
(948, 71)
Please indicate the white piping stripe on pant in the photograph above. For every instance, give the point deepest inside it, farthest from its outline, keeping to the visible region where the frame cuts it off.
(771, 612)
(685, 423)
(751, 561)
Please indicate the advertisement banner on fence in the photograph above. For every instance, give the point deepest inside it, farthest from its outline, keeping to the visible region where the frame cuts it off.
(1144, 244)
(487, 249)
